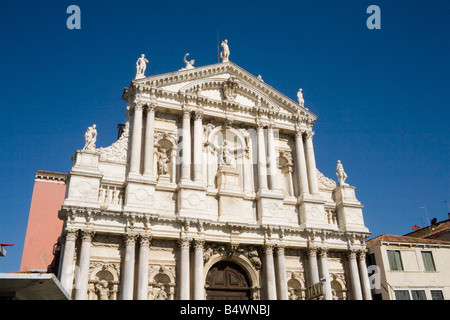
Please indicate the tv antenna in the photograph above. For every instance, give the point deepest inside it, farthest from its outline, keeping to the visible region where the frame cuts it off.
(446, 202)
(428, 219)
(218, 50)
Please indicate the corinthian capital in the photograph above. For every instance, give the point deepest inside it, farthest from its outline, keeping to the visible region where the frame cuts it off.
(268, 248)
(198, 114)
(87, 235)
(184, 243)
(144, 240)
(309, 134)
(71, 235)
(199, 244)
(150, 107)
(130, 238)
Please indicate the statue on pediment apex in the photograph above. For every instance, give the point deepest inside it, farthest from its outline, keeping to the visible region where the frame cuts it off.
(225, 54)
(300, 99)
(189, 64)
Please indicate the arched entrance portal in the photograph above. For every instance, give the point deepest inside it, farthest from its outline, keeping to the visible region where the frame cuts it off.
(227, 281)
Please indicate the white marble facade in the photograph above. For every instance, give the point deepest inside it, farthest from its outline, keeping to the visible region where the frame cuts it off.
(213, 165)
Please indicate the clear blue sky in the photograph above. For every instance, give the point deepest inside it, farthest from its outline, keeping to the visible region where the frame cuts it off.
(382, 96)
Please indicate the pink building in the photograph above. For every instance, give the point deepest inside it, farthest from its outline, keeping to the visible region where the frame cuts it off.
(44, 227)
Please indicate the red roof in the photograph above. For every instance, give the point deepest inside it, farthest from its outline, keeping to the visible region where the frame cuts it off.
(441, 228)
(403, 239)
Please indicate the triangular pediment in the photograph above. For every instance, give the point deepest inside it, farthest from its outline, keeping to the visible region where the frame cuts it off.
(222, 86)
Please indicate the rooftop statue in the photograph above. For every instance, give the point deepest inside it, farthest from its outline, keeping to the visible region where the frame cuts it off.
(301, 101)
(141, 65)
(225, 54)
(341, 174)
(189, 64)
(90, 137)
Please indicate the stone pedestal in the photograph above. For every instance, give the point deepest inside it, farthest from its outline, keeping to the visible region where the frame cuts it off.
(191, 200)
(270, 207)
(140, 195)
(84, 180)
(349, 209)
(231, 203)
(228, 179)
(312, 212)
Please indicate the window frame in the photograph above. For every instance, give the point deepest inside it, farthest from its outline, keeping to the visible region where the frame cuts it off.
(432, 260)
(437, 290)
(391, 263)
(403, 291)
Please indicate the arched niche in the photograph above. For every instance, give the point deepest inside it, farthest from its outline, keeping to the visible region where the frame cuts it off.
(165, 153)
(296, 287)
(338, 288)
(285, 173)
(161, 283)
(103, 282)
(225, 142)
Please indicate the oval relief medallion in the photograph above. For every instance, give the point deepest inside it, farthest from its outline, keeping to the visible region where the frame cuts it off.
(84, 187)
(141, 194)
(194, 199)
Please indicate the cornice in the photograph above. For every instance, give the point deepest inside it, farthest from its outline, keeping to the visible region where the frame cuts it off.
(155, 82)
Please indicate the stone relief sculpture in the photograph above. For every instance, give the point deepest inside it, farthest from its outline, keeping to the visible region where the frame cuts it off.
(141, 65)
(292, 295)
(324, 182)
(90, 137)
(118, 150)
(342, 176)
(163, 162)
(189, 64)
(161, 294)
(225, 54)
(229, 89)
(102, 289)
(227, 155)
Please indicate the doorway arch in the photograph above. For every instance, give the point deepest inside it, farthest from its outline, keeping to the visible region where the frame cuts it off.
(226, 280)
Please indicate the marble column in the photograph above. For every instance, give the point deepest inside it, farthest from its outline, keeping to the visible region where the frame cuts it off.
(184, 293)
(269, 272)
(149, 141)
(198, 148)
(356, 283)
(301, 163)
(186, 146)
(367, 292)
(128, 268)
(136, 139)
(144, 249)
(282, 289)
(82, 278)
(272, 156)
(313, 268)
(199, 285)
(325, 274)
(262, 170)
(311, 163)
(67, 267)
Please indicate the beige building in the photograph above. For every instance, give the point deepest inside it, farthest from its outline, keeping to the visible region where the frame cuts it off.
(409, 268)
(211, 192)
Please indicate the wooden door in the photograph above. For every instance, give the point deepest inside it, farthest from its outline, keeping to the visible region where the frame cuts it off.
(227, 281)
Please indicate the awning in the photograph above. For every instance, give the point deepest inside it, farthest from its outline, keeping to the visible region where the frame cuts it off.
(31, 286)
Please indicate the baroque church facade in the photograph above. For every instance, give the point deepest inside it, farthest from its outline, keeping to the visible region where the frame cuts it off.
(210, 192)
